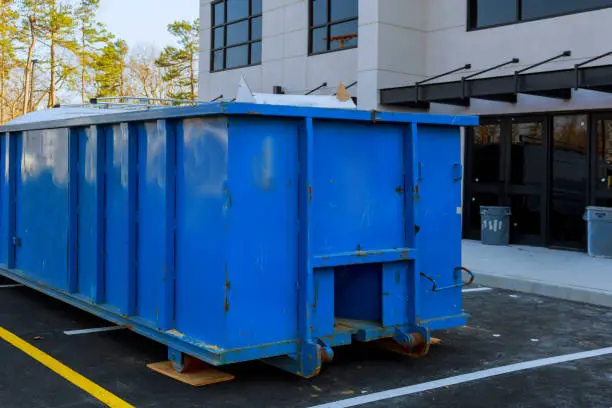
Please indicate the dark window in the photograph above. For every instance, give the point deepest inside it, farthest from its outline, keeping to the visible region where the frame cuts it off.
(527, 154)
(333, 25)
(485, 13)
(236, 34)
(488, 13)
(487, 156)
(604, 155)
(532, 9)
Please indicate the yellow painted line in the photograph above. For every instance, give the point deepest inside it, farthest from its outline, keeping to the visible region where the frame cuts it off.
(69, 374)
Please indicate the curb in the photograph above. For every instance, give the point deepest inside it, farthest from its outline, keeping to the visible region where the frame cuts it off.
(572, 293)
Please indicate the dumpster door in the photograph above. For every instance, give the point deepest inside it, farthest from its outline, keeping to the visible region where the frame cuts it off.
(438, 217)
(41, 237)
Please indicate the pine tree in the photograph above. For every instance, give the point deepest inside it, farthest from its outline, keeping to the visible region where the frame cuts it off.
(29, 9)
(90, 35)
(110, 68)
(8, 61)
(180, 63)
(54, 24)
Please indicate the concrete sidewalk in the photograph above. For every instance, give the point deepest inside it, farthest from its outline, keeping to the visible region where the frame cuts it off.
(559, 274)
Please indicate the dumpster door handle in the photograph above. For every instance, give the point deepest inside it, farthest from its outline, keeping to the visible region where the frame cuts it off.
(420, 171)
(458, 270)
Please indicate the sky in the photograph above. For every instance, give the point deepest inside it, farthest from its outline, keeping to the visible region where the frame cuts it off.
(145, 21)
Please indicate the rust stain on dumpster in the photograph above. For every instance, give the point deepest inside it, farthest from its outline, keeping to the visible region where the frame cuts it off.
(228, 286)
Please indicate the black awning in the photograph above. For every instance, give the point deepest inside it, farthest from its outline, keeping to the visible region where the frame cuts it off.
(550, 84)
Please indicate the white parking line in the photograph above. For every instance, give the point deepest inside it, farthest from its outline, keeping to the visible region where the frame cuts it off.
(17, 285)
(460, 379)
(476, 290)
(96, 330)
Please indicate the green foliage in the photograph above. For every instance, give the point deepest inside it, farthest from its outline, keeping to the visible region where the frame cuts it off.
(110, 69)
(180, 63)
(58, 51)
(91, 36)
(8, 48)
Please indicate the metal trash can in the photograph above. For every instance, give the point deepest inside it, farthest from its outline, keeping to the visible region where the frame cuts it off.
(599, 225)
(495, 225)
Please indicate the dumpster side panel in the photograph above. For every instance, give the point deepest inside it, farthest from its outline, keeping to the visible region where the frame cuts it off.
(117, 218)
(260, 283)
(202, 205)
(152, 239)
(89, 205)
(359, 182)
(438, 216)
(4, 199)
(42, 206)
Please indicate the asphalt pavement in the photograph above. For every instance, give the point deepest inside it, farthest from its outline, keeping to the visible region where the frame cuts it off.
(506, 329)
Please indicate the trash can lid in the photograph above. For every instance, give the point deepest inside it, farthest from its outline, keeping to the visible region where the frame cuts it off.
(605, 209)
(495, 210)
(598, 214)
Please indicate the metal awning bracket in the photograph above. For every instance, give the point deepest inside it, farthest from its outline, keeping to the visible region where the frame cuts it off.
(484, 71)
(518, 73)
(417, 85)
(582, 64)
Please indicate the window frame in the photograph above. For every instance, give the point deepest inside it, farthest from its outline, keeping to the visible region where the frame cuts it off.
(249, 43)
(327, 25)
(471, 14)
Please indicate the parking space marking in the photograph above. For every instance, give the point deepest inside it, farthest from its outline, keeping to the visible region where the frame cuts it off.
(95, 330)
(460, 379)
(476, 290)
(69, 374)
(17, 285)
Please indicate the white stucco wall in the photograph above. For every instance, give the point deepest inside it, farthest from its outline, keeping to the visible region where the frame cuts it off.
(449, 45)
(285, 59)
(392, 41)
(403, 41)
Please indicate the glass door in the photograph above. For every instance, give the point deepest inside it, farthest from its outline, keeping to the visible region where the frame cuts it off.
(602, 163)
(569, 181)
(483, 181)
(525, 187)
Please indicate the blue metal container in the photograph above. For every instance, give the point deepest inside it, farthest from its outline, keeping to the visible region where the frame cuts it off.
(233, 232)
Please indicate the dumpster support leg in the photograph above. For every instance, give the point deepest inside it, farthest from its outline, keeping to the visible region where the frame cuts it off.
(413, 344)
(308, 362)
(189, 370)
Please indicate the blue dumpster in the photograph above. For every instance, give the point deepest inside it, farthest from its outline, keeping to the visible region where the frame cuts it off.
(232, 232)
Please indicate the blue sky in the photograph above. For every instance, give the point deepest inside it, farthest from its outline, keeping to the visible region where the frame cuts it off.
(145, 21)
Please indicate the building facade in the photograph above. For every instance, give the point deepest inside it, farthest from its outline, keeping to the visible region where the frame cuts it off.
(538, 72)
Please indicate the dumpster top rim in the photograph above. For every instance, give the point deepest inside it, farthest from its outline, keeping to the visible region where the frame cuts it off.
(236, 108)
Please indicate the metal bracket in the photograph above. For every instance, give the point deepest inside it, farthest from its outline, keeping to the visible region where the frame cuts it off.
(416, 342)
(582, 64)
(307, 363)
(457, 271)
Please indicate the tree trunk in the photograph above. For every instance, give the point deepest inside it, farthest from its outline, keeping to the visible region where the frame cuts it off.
(28, 67)
(83, 62)
(192, 78)
(52, 98)
(2, 80)
(121, 80)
